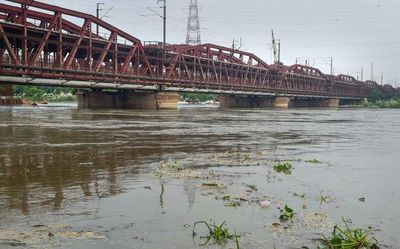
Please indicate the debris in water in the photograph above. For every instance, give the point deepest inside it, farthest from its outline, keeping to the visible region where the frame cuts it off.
(314, 161)
(12, 242)
(265, 204)
(210, 184)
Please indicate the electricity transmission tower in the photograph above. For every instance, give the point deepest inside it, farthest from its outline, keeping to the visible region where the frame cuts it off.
(193, 25)
(276, 48)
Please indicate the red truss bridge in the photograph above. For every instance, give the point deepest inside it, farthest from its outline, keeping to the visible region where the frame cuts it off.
(40, 45)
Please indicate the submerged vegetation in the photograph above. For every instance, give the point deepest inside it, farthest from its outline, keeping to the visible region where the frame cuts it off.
(220, 234)
(349, 238)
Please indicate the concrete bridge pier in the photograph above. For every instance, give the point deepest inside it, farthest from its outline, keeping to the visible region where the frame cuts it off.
(128, 100)
(7, 96)
(282, 102)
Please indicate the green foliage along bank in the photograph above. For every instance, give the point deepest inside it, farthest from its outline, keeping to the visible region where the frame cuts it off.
(198, 97)
(42, 93)
(384, 100)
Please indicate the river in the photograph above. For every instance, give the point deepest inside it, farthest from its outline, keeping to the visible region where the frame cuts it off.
(74, 178)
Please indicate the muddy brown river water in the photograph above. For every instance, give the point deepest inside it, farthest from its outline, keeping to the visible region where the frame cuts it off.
(139, 179)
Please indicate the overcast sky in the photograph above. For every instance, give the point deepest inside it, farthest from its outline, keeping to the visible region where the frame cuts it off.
(353, 32)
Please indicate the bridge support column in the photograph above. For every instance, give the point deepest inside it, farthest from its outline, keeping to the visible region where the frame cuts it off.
(328, 103)
(282, 102)
(128, 100)
(7, 96)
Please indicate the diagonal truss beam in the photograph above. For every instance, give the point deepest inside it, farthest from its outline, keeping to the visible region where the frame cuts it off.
(8, 46)
(71, 56)
(112, 39)
(129, 59)
(45, 39)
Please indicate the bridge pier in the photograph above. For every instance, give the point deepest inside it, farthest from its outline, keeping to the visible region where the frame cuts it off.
(282, 102)
(7, 96)
(128, 100)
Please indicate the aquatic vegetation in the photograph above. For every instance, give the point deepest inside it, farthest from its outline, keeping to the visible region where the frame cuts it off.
(314, 161)
(246, 157)
(324, 198)
(218, 233)
(285, 168)
(232, 203)
(210, 184)
(173, 166)
(349, 238)
(299, 195)
(253, 187)
(287, 214)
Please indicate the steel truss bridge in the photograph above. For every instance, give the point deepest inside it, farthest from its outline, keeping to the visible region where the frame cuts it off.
(41, 45)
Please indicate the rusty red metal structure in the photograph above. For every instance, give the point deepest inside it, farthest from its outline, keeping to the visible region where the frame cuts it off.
(42, 44)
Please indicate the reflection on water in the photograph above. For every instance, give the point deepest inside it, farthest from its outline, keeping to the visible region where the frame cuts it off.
(53, 157)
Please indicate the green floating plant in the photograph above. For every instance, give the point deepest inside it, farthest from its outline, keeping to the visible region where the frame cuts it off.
(219, 233)
(287, 214)
(285, 168)
(350, 238)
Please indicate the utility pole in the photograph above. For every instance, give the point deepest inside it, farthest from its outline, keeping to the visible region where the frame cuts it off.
(98, 9)
(372, 71)
(164, 22)
(331, 65)
(163, 17)
(279, 50)
(382, 79)
(362, 73)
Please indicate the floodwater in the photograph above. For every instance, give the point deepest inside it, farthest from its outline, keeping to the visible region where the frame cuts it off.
(135, 179)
